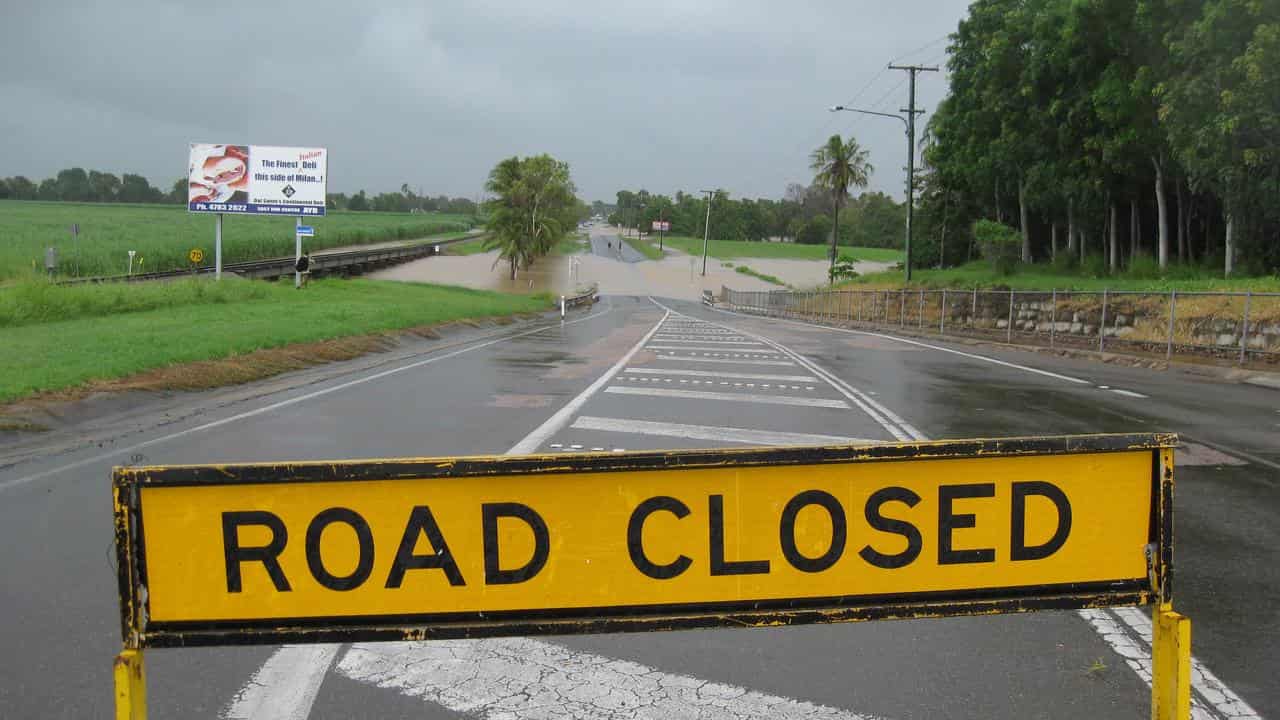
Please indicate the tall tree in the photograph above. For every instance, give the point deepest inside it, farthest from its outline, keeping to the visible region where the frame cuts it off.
(534, 206)
(839, 165)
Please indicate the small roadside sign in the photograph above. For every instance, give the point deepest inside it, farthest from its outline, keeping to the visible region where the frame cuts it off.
(305, 230)
(195, 255)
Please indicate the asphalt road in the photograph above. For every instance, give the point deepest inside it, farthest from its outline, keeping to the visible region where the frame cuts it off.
(610, 245)
(702, 379)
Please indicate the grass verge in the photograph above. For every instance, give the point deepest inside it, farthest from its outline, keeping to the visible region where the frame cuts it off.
(981, 275)
(162, 235)
(644, 247)
(729, 249)
(340, 319)
(744, 270)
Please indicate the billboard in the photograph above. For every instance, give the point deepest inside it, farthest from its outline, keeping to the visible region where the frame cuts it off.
(256, 179)
(662, 225)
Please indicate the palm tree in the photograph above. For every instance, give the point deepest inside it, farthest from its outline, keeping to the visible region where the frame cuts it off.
(838, 165)
(532, 208)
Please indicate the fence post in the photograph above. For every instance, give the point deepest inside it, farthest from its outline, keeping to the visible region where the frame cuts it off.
(973, 313)
(1009, 327)
(859, 307)
(902, 308)
(942, 314)
(1102, 326)
(920, 309)
(1173, 313)
(1244, 327)
(1053, 317)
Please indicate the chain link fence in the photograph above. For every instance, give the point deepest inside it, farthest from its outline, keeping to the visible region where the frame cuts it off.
(1241, 327)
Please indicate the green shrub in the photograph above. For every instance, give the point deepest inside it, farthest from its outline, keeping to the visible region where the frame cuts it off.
(1094, 265)
(999, 244)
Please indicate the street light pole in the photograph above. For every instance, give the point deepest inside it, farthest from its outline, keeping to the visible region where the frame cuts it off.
(706, 229)
(910, 122)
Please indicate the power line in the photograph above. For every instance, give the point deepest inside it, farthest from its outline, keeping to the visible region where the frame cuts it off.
(926, 46)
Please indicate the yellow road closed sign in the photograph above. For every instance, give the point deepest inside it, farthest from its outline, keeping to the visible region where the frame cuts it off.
(454, 547)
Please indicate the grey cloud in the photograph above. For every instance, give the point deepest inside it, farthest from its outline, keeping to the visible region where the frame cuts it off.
(662, 94)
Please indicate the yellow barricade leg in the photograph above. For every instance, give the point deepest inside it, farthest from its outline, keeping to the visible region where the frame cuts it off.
(1170, 665)
(131, 686)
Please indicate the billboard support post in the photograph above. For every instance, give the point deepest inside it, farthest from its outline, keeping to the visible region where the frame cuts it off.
(297, 251)
(217, 248)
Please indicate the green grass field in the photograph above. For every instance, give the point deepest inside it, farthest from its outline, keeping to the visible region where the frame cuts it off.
(729, 249)
(57, 338)
(162, 235)
(644, 247)
(980, 274)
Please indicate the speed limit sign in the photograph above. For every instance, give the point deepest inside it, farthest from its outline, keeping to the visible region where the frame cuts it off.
(196, 255)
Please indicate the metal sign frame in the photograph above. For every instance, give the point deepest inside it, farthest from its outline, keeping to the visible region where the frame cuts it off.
(139, 632)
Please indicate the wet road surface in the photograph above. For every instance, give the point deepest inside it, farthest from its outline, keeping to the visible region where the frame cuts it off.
(694, 378)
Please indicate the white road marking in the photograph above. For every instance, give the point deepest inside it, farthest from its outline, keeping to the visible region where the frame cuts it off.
(523, 679)
(285, 687)
(118, 452)
(709, 432)
(674, 347)
(689, 340)
(1128, 631)
(1128, 393)
(554, 423)
(1216, 700)
(917, 343)
(729, 397)
(730, 361)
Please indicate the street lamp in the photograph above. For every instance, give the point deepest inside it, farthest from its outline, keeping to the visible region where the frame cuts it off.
(909, 122)
(706, 229)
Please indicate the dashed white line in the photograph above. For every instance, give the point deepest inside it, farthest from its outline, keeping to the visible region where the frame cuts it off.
(761, 351)
(729, 361)
(709, 432)
(729, 397)
(1128, 393)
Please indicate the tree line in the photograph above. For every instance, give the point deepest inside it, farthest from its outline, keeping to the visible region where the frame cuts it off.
(803, 215)
(78, 185)
(1110, 132)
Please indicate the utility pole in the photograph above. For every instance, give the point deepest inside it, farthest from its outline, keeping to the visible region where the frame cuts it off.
(911, 112)
(706, 229)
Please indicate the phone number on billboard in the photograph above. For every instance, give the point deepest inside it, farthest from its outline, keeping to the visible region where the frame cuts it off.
(223, 207)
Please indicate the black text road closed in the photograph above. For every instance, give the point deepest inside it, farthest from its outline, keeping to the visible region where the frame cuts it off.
(488, 546)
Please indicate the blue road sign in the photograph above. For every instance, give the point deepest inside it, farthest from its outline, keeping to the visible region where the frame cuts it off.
(306, 230)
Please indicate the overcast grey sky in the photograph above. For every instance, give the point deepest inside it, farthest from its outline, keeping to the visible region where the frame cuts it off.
(664, 94)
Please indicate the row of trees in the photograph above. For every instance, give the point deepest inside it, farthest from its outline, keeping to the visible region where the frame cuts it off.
(1128, 128)
(804, 214)
(404, 201)
(77, 185)
(533, 207)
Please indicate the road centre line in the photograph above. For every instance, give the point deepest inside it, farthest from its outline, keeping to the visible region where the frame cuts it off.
(283, 689)
(709, 432)
(1128, 393)
(116, 452)
(729, 397)
(713, 374)
(961, 353)
(730, 361)
(556, 422)
(1220, 702)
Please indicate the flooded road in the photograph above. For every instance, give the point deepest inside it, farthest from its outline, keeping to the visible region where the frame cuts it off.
(676, 275)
